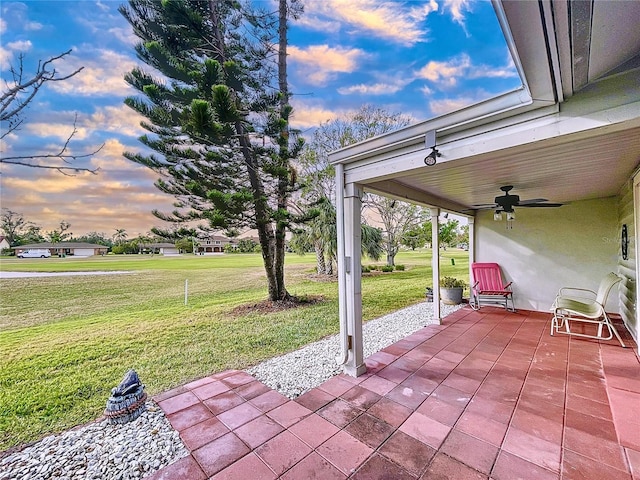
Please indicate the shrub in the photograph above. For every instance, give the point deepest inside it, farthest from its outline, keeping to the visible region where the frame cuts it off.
(373, 268)
(117, 249)
(452, 282)
(387, 268)
(365, 269)
(400, 268)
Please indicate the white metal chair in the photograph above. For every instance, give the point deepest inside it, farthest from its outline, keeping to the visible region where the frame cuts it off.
(583, 305)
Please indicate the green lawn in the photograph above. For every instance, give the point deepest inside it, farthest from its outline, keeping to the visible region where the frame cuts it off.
(66, 341)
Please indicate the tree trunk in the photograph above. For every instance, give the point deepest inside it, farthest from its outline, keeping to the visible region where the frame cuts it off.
(390, 259)
(320, 264)
(272, 239)
(283, 176)
(329, 264)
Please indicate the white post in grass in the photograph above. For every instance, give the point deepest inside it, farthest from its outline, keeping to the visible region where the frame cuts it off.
(186, 291)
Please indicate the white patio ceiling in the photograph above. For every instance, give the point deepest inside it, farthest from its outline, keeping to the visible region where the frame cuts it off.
(595, 48)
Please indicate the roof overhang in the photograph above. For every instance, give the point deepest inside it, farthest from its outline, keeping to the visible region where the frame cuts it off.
(556, 137)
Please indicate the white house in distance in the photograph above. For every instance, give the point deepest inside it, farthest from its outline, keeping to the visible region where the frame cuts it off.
(4, 243)
(569, 134)
(77, 249)
(162, 248)
(212, 244)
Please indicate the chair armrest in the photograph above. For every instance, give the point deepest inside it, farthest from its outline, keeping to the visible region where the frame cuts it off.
(507, 285)
(561, 292)
(475, 284)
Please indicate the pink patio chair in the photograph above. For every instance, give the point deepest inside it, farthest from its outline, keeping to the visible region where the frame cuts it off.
(587, 306)
(489, 288)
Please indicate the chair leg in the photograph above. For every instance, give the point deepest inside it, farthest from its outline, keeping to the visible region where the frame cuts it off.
(474, 302)
(613, 330)
(513, 305)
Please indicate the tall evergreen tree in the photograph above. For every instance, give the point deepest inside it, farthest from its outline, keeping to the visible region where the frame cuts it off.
(218, 116)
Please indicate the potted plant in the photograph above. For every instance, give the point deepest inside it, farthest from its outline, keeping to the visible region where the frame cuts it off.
(451, 290)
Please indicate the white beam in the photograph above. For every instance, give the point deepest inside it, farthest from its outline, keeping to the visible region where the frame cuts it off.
(400, 191)
(435, 262)
(472, 252)
(479, 113)
(342, 275)
(354, 365)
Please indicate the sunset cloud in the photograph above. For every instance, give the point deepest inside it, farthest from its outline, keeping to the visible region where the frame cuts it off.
(103, 73)
(58, 130)
(447, 74)
(120, 119)
(7, 53)
(310, 115)
(372, 89)
(448, 105)
(20, 46)
(322, 62)
(392, 21)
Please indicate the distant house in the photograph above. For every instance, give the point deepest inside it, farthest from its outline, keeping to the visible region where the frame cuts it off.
(162, 248)
(213, 244)
(77, 249)
(4, 243)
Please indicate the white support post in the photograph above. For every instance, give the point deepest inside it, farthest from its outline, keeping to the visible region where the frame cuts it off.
(354, 365)
(342, 275)
(435, 262)
(472, 246)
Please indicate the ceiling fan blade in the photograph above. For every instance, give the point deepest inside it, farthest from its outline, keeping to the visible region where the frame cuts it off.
(532, 200)
(485, 206)
(542, 205)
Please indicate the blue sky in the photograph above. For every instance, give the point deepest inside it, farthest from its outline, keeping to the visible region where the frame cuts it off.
(420, 58)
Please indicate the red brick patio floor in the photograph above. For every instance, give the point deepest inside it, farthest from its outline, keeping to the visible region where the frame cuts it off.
(488, 394)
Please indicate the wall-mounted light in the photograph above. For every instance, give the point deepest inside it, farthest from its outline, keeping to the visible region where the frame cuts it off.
(431, 159)
(430, 142)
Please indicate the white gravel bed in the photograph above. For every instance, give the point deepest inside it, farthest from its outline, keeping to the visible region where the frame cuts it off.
(296, 372)
(136, 449)
(100, 450)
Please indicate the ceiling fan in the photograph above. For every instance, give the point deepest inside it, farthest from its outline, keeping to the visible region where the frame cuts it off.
(506, 202)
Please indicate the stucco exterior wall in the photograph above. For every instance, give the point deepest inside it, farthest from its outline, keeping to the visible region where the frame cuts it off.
(548, 248)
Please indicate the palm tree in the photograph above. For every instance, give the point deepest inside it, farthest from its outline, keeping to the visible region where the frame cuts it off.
(120, 236)
(322, 234)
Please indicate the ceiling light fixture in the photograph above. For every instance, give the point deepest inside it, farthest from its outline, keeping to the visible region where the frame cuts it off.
(510, 215)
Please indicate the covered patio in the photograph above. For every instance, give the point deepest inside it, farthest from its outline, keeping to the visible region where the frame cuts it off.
(568, 138)
(486, 394)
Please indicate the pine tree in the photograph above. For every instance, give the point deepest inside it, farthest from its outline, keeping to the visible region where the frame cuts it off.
(218, 117)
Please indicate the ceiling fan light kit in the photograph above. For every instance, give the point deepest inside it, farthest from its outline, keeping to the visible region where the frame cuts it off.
(505, 203)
